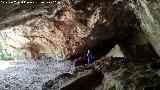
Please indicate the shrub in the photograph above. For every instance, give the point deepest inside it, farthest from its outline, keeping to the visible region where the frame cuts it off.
(6, 57)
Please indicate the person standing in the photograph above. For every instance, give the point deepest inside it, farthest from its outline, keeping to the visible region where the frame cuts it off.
(89, 57)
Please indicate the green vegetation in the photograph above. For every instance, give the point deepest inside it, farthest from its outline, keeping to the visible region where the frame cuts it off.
(4, 55)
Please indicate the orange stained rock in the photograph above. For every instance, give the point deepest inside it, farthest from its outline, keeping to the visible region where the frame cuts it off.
(34, 49)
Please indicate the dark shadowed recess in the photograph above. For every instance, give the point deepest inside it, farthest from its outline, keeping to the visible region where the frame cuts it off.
(87, 82)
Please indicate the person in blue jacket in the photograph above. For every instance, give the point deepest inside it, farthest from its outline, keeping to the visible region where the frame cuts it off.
(89, 57)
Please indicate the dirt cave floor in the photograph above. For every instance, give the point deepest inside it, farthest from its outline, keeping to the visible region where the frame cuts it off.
(30, 74)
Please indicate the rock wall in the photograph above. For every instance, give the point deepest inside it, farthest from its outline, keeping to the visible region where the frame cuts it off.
(149, 12)
(131, 76)
(69, 28)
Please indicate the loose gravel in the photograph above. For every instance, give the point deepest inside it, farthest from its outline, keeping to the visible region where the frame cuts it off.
(31, 74)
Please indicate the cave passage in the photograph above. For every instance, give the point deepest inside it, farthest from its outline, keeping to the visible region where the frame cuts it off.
(45, 43)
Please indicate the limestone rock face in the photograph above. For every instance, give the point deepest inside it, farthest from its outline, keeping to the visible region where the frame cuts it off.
(131, 76)
(69, 28)
(149, 12)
